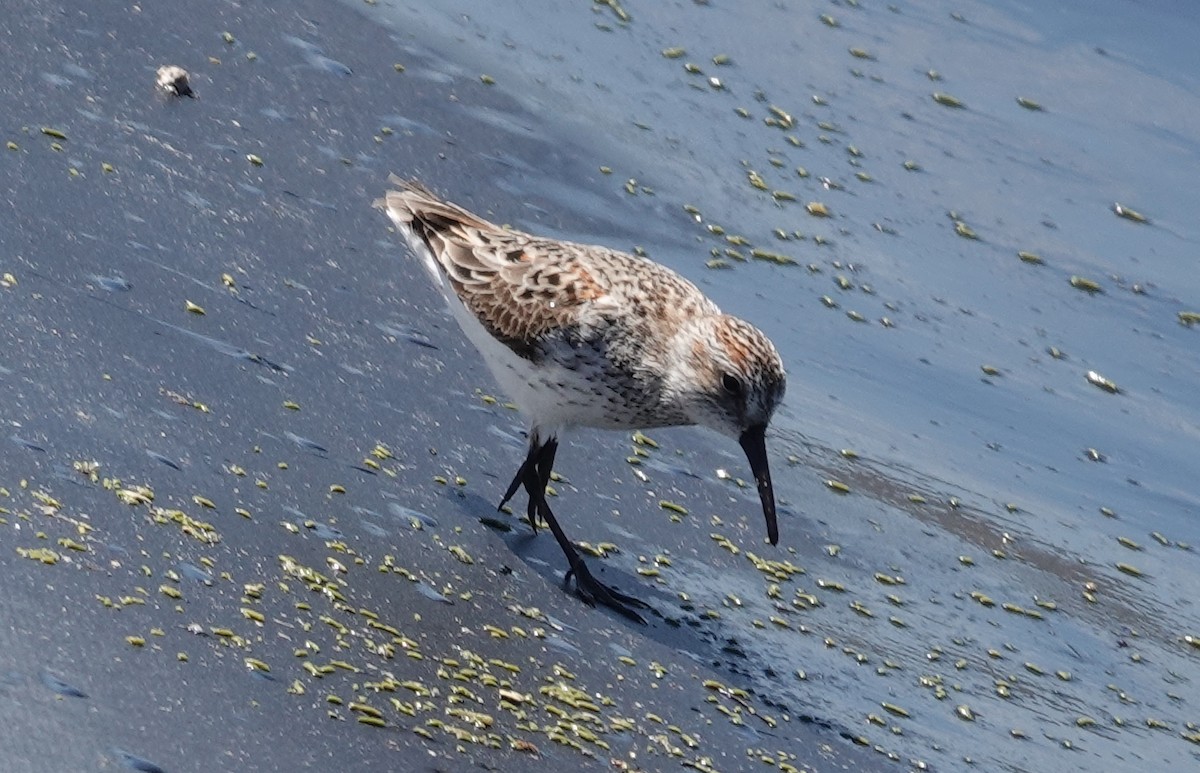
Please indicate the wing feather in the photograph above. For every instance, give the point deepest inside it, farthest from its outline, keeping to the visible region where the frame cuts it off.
(525, 289)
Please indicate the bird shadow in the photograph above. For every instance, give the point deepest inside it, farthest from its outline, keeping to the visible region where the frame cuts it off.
(540, 553)
(668, 621)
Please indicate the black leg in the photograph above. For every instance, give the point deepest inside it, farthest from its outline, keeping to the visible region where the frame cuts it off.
(534, 475)
(528, 475)
(545, 464)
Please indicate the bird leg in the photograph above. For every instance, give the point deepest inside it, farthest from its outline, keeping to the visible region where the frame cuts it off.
(534, 474)
(528, 475)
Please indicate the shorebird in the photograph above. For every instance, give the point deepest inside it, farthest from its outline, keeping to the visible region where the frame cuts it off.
(583, 335)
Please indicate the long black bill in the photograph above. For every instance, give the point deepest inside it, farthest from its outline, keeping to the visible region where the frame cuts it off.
(754, 443)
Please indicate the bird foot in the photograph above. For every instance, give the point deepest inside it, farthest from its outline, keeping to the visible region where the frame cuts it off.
(594, 592)
(533, 522)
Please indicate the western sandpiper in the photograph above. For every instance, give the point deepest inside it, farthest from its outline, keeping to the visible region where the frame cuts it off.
(582, 335)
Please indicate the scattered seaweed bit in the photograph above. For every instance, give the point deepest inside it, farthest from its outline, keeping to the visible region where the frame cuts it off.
(1097, 380)
(618, 11)
(43, 555)
(1087, 285)
(600, 550)
(1029, 104)
(1129, 569)
(199, 530)
(837, 486)
(965, 231)
(1127, 542)
(772, 257)
(942, 98)
(134, 495)
(1129, 214)
(644, 440)
(174, 80)
(48, 504)
(780, 117)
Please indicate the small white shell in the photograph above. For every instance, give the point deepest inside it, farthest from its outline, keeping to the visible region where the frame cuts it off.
(174, 80)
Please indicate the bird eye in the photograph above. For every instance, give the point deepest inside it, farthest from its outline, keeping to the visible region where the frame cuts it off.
(732, 384)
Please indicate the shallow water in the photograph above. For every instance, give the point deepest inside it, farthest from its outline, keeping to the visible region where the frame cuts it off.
(324, 414)
(975, 392)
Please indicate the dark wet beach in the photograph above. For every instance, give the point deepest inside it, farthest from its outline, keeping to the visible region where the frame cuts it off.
(250, 465)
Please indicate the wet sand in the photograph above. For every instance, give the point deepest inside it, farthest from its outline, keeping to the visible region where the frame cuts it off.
(250, 463)
(245, 459)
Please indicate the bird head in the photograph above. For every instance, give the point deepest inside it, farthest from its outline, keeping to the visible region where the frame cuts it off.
(730, 377)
